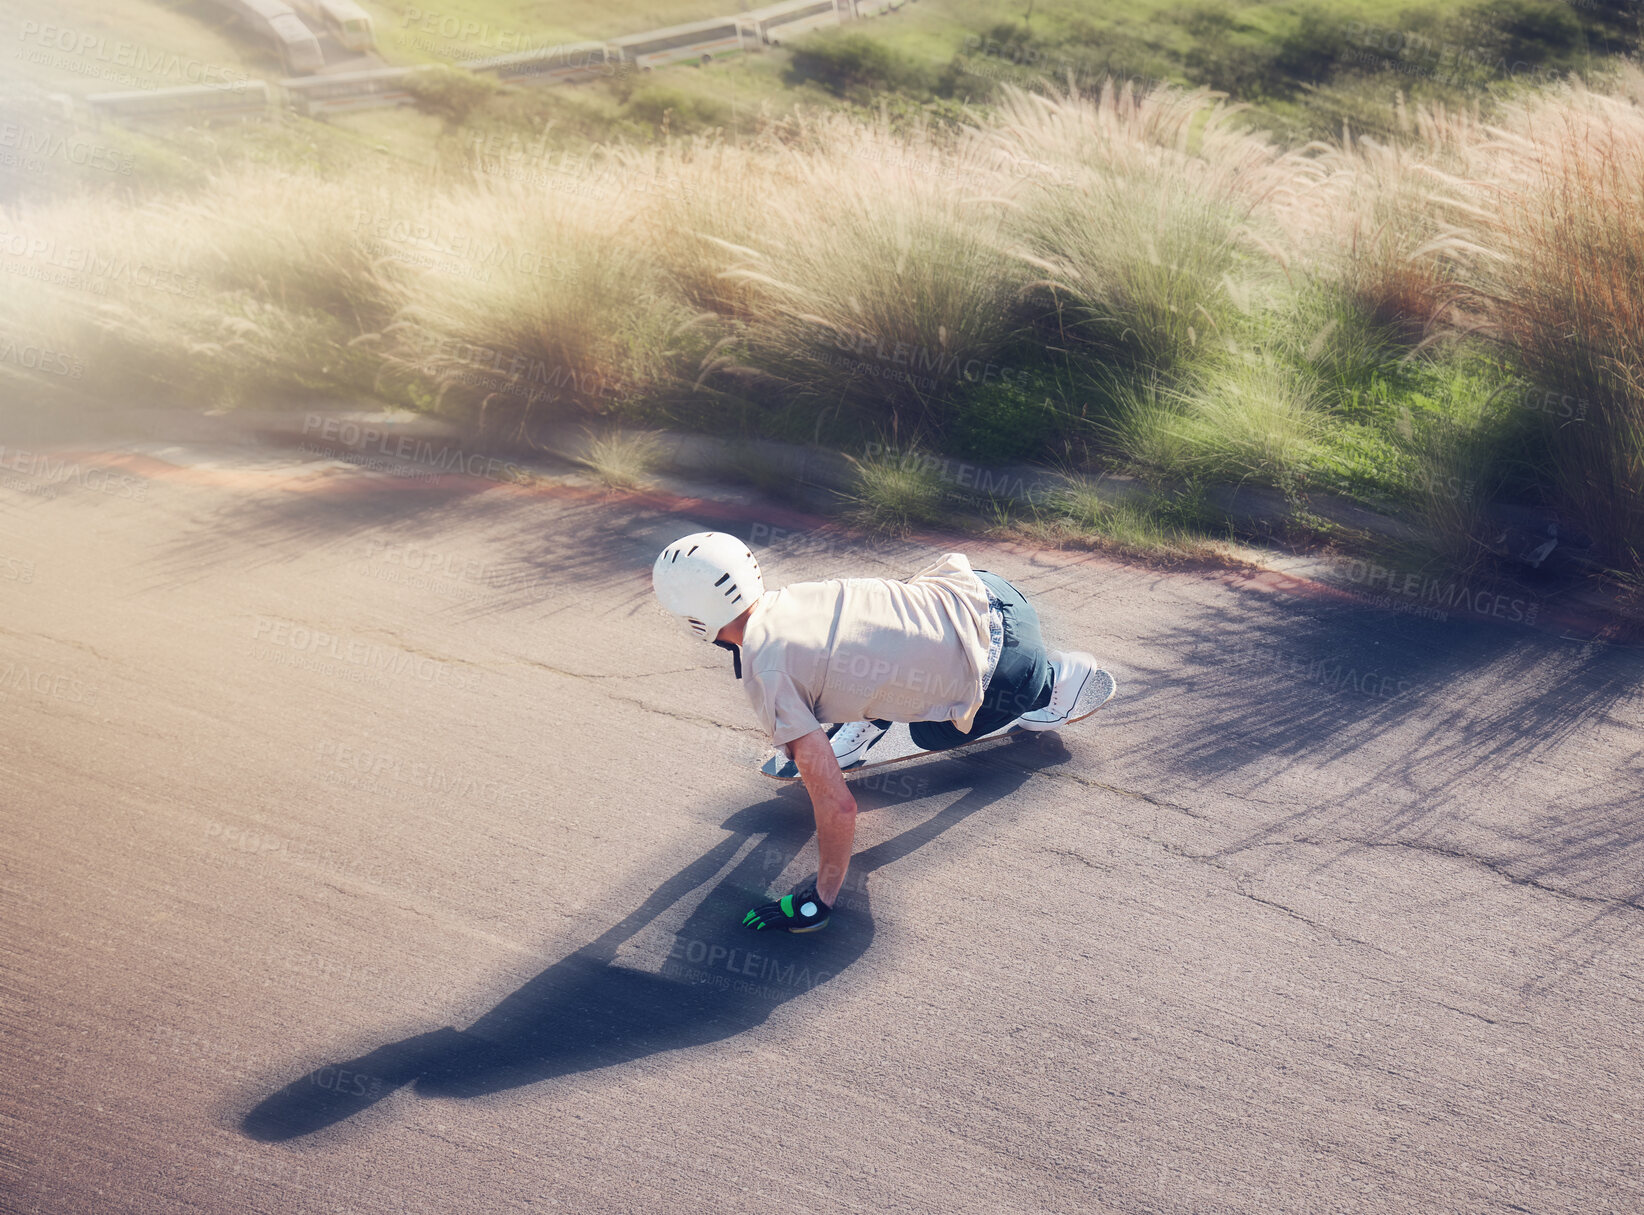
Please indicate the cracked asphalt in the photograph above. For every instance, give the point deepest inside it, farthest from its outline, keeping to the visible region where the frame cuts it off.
(375, 847)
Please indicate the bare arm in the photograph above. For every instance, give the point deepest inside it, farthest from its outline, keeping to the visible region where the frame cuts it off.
(834, 807)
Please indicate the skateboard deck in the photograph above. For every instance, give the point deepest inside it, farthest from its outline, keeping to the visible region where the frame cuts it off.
(896, 744)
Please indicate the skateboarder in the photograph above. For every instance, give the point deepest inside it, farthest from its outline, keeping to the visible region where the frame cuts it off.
(954, 652)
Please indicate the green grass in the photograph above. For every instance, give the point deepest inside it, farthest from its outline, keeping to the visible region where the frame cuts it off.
(1085, 513)
(1235, 420)
(896, 493)
(453, 30)
(827, 245)
(1291, 59)
(623, 459)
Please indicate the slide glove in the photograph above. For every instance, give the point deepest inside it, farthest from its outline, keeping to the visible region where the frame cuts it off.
(801, 911)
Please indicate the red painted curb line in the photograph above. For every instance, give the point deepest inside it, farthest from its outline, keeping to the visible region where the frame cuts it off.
(353, 482)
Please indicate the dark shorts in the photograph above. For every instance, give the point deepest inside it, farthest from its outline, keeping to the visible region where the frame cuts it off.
(1020, 682)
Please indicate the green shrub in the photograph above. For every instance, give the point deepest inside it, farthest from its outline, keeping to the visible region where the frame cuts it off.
(659, 106)
(449, 93)
(1228, 55)
(1004, 422)
(1235, 420)
(1309, 52)
(855, 66)
(1531, 33)
(1250, 64)
(896, 492)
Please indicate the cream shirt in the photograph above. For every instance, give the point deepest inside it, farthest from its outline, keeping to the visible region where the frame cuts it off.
(854, 648)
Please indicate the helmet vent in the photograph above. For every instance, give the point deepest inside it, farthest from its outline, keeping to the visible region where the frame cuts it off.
(722, 578)
(694, 547)
(675, 557)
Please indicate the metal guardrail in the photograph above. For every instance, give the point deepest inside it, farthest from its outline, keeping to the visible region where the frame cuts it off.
(318, 95)
(239, 98)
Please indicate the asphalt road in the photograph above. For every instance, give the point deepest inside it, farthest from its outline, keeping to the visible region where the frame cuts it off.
(373, 845)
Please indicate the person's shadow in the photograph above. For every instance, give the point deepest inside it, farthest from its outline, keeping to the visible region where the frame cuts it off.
(587, 1011)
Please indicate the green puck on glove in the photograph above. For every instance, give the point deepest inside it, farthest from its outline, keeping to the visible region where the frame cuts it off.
(802, 911)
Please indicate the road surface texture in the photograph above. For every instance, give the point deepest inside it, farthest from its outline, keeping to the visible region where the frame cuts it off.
(373, 844)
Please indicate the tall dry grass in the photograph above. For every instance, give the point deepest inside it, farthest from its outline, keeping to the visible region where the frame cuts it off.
(269, 286)
(253, 289)
(1142, 213)
(835, 269)
(1372, 218)
(1560, 264)
(532, 303)
(1236, 418)
(862, 271)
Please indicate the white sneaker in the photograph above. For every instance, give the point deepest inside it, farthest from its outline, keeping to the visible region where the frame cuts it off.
(1069, 673)
(851, 742)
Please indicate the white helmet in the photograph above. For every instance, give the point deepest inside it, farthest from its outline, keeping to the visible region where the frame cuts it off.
(707, 579)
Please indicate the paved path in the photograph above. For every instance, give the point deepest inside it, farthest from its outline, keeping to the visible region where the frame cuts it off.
(373, 845)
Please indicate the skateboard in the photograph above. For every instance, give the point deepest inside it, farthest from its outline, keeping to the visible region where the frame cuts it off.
(896, 744)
